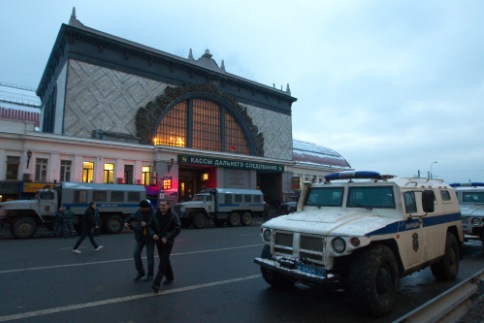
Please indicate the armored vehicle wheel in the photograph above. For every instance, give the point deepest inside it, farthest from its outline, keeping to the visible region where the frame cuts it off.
(113, 224)
(274, 278)
(448, 266)
(24, 227)
(199, 221)
(374, 280)
(234, 219)
(246, 218)
(218, 222)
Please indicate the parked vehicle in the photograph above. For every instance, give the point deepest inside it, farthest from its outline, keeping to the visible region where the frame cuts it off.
(114, 202)
(366, 230)
(223, 205)
(471, 200)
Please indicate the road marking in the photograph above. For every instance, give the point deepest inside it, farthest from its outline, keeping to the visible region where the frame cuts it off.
(8, 271)
(121, 299)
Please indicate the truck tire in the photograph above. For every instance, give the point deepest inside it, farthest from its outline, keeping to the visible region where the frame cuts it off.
(199, 221)
(113, 224)
(374, 280)
(448, 266)
(24, 227)
(273, 278)
(246, 218)
(234, 219)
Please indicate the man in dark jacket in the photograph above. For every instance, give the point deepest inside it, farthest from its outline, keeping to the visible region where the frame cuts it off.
(164, 227)
(87, 224)
(139, 223)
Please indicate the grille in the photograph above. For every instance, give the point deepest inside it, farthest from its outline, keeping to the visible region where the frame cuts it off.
(300, 245)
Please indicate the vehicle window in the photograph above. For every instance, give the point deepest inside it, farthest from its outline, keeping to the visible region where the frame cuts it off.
(325, 196)
(410, 202)
(257, 199)
(209, 198)
(247, 198)
(238, 198)
(371, 197)
(80, 196)
(117, 196)
(99, 196)
(473, 197)
(199, 198)
(134, 196)
(228, 199)
(46, 195)
(445, 195)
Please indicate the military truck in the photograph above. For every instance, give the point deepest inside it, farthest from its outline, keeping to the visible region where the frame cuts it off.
(233, 206)
(114, 202)
(471, 200)
(366, 231)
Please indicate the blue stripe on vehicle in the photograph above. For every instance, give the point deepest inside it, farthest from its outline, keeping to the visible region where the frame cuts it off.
(407, 225)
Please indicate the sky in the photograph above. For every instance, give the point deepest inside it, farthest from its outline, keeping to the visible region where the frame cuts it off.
(393, 86)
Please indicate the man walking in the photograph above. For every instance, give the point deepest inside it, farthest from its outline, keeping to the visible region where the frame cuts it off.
(164, 227)
(87, 223)
(141, 219)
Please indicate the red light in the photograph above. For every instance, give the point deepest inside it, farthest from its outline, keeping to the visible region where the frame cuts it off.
(355, 242)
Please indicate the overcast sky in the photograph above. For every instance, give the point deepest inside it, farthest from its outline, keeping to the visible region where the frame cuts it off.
(393, 86)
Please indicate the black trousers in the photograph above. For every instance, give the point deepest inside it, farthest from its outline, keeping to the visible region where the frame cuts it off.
(86, 232)
(164, 268)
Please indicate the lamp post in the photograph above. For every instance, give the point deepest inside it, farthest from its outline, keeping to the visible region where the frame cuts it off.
(29, 155)
(431, 173)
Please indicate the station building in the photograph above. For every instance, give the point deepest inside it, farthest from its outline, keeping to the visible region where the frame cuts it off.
(114, 111)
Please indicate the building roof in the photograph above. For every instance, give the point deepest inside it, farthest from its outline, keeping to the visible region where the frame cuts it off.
(311, 154)
(19, 103)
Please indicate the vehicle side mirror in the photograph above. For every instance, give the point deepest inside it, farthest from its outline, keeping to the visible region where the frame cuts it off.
(428, 198)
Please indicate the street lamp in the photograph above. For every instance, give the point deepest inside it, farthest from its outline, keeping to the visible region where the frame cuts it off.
(431, 173)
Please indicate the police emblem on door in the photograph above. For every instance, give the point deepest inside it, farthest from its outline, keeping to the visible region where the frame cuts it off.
(415, 241)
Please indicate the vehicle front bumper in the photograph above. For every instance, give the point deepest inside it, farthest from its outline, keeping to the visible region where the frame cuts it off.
(296, 270)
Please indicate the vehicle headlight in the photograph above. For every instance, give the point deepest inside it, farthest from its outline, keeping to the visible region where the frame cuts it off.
(476, 222)
(338, 244)
(266, 235)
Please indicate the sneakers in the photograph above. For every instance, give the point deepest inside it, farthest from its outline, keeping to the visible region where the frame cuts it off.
(99, 248)
(76, 251)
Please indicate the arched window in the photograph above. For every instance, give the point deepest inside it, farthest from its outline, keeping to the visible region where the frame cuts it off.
(201, 124)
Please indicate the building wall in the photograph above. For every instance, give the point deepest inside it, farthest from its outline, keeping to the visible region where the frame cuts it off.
(106, 99)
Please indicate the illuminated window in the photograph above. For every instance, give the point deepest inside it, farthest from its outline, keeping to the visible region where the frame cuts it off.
(172, 129)
(108, 174)
(146, 175)
(87, 172)
(201, 124)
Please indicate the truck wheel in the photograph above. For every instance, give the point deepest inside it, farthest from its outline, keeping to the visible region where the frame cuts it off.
(24, 227)
(374, 280)
(246, 218)
(218, 222)
(234, 219)
(448, 266)
(113, 224)
(273, 278)
(199, 221)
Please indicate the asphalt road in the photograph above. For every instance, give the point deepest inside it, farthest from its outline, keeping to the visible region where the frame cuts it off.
(215, 281)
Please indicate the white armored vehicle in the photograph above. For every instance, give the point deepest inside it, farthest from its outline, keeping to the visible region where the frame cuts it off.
(471, 200)
(366, 230)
